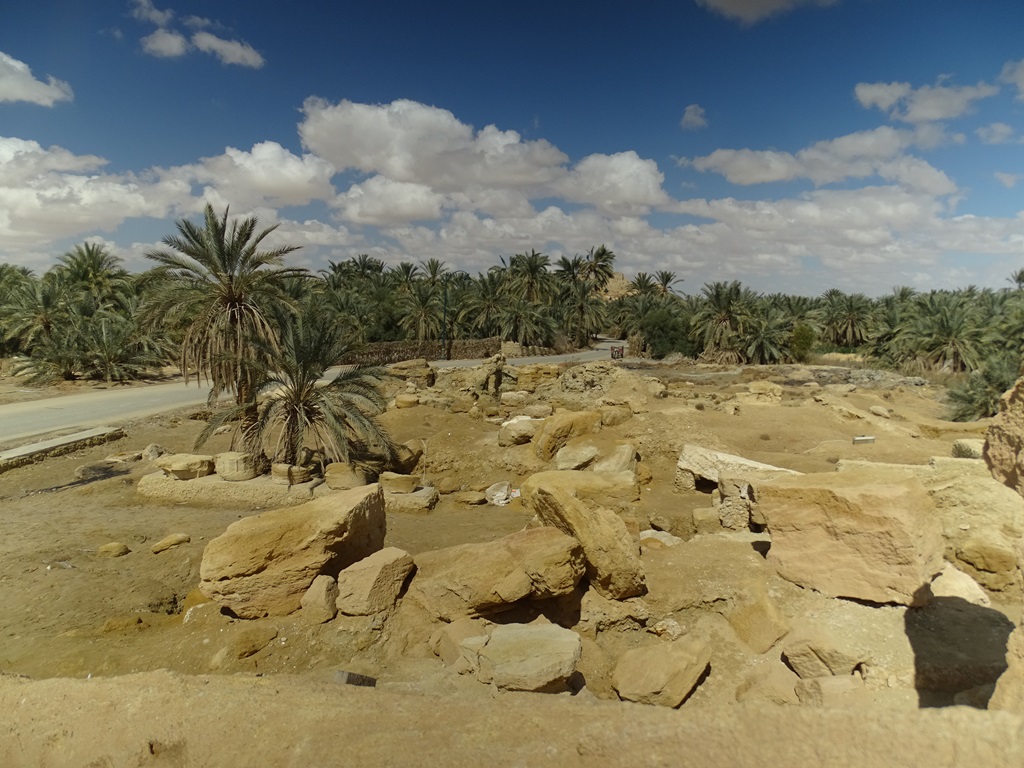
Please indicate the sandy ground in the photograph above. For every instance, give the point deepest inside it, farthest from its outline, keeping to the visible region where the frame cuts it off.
(67, 612)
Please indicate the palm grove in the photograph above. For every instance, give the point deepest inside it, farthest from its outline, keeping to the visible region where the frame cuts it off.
(227, 309)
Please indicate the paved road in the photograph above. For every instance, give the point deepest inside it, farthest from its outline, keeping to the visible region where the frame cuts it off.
(115, 406)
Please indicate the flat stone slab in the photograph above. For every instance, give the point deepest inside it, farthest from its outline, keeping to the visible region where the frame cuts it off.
(260, 492)
(55, 446)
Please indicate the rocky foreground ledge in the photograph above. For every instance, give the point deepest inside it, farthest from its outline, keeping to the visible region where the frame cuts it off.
(160, 718)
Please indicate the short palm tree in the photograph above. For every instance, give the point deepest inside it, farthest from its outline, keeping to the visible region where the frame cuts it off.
(296, 409)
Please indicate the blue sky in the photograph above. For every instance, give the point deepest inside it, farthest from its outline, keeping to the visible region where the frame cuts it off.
(795, 145)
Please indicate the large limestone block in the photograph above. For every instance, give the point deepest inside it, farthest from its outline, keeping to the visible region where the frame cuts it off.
(813, 651)
(518, 430)
(393, 482)
(185, 466)
(560, 428)
(1009, 692)
(318, 604)
(613, 558)
(262, 565)
(341, 476)
(663, 674)
(621, 458)
(235, 466)
(373, 584)
(419, 372)
(702, 464)
(415, 503)
(982, 520)
(853, 534)
(615, 489)
(529, 377)
(517, 657)
(479, 579)
(757, 621)
(576, 455)
(1004, 440)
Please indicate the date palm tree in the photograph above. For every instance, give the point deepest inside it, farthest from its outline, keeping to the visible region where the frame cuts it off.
(598, 266)
(224, 291)
(296, 409)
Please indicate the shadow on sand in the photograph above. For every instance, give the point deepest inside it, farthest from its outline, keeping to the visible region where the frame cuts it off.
(958, 647)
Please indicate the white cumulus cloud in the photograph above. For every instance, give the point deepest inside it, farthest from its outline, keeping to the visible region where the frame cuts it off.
(927, 103)
(268, 175)
(619, 184)
(412, 142)
(144, 10)
(165, 44)
(753, 11)
(995, 133)
(694, 118)
(18, 84)
(878, 152)
(379, 201)
(1013, 73)
(50, 193)
(228, 51)
(1008, 180)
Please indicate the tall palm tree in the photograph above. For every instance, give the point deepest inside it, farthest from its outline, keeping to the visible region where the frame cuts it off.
(482, 304)
(721, 316)
(598, 266)
(225, 292)
(421, 311)
(643, 284)
(664, 282)
(846, 317)
(946, 334)
(529, 279)
(92, 270)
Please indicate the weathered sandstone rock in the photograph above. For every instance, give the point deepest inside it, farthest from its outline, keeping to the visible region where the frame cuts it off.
(479, 579)
(575, 455)
(618, 489)
(373, 584)
(813, 651)
(613, 559)
(262, 565)
(773, 682)
(560, 428)
(113, 549)
(663, 674)
(169, 541)
(185, 466)
(341, 476)
(518, 657)
(982, 520)
(518, 430)
(621, 458)
(290, 474)
(417, 502)
(1004, 440)
(235, 466)
(392, 482)
(954, 583)
(406, 400)
(318, 603)
(850, 534)
(696, 463)
(418, 371)
(1009, 692)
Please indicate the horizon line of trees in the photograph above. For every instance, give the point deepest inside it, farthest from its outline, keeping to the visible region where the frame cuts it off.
(88, 317)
